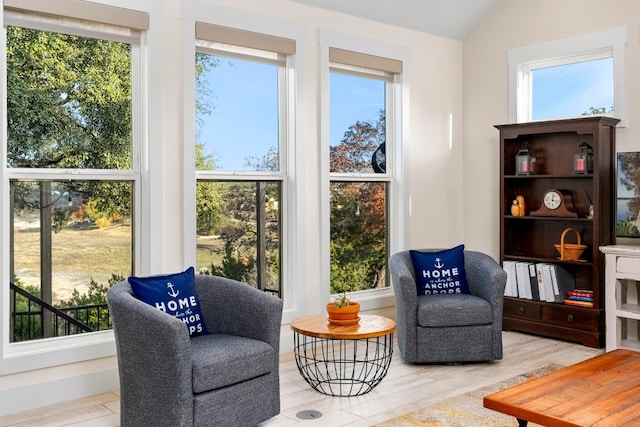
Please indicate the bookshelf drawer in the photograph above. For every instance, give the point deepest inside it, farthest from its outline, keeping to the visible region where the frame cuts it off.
(562, 315)
(514, 307)
(628, 265)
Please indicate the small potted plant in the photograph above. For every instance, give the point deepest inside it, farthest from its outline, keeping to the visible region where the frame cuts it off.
(343, 311)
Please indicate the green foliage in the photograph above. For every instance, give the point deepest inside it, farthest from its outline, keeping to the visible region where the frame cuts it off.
(109, 200)
(354, 268)
(238, 232)
(209, 208)
(627, 228)
(22, 328)
(69, 101)
(354, 152)
(238, 262)
(204, 62)
(96, 294)
(239, 237)
(630, 178)
(60, 218)
(341, 300)
(22, 303)
(209, 202)
(593, 111)
(358, 212)
(69, 106)
(234, 268)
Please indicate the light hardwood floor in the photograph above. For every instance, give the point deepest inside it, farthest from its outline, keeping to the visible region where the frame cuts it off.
(405, 389)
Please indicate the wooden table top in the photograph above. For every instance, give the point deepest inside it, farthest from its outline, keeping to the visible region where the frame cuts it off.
(602, 391)
(369, 326)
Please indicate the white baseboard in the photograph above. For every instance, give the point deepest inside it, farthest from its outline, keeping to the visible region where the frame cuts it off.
(34, 389)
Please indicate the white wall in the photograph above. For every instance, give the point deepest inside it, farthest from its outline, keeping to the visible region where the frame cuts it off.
(432, 142)
(514, 24)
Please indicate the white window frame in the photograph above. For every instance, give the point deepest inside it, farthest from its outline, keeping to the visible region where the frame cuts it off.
(291, 154)
(396, 123)
(587, 47)
(23, 356)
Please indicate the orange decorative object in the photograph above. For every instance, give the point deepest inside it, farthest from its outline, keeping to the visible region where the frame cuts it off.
(344, 322)
(522, 204)
(515, 208)
(347, 312)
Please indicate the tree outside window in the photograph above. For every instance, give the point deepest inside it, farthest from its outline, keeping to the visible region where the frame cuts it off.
(359, 186)
(239, 128)
(68, 109)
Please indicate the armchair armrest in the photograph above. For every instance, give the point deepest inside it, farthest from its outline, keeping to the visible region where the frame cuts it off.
(153, 351)
(404, 288)
(403, 282)
(485, 277)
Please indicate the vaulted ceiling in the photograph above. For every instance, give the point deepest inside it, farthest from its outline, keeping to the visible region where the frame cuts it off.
(454, 19)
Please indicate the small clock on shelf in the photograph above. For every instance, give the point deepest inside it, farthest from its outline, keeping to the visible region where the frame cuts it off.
(556, 203)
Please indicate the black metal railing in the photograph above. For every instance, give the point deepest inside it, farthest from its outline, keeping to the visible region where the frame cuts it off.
(38, 319)
(95, 316)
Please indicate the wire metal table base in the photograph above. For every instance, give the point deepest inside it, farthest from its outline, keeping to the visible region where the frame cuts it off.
(343, 367)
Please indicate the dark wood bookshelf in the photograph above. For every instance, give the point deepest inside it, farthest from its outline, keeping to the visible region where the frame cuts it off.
(532, 238)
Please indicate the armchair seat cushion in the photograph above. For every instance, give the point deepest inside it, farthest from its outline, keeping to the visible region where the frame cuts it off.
(448, 310)
(221, 360)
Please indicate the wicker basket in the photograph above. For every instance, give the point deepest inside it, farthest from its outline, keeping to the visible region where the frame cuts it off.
(570, 251)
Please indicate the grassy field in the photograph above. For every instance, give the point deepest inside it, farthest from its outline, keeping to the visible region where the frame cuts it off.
(81, 252)
(208, 252)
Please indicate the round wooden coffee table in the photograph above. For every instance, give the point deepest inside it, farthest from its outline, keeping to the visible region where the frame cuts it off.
(343, 360)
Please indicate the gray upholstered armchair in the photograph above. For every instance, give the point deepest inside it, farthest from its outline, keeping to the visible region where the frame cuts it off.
(450, 328)
(227, 378)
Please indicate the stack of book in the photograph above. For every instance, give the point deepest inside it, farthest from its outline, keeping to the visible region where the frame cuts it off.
(538, 281)
(580, 297)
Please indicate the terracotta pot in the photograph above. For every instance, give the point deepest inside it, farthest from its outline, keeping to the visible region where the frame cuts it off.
(348, 312)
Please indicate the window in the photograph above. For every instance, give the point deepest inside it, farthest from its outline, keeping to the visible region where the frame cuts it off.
(242, 111)
(71, 167)
(572, 89)
(361, 154)
(567, 78)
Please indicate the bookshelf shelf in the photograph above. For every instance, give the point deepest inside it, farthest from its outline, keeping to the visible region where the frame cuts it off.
(542, 218)
(629, 311)
(532, 238)
(547, 260)
(547, 176)
(631, 344)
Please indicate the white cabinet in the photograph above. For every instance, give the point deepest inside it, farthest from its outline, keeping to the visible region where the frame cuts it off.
(622, 291)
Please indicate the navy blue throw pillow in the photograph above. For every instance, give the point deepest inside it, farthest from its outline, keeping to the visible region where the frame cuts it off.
(440, 272)
(175, 294)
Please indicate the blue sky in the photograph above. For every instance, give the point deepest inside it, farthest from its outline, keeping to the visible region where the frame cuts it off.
(244, 117)
(353, 98)
(569, 90)
(245, 113)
